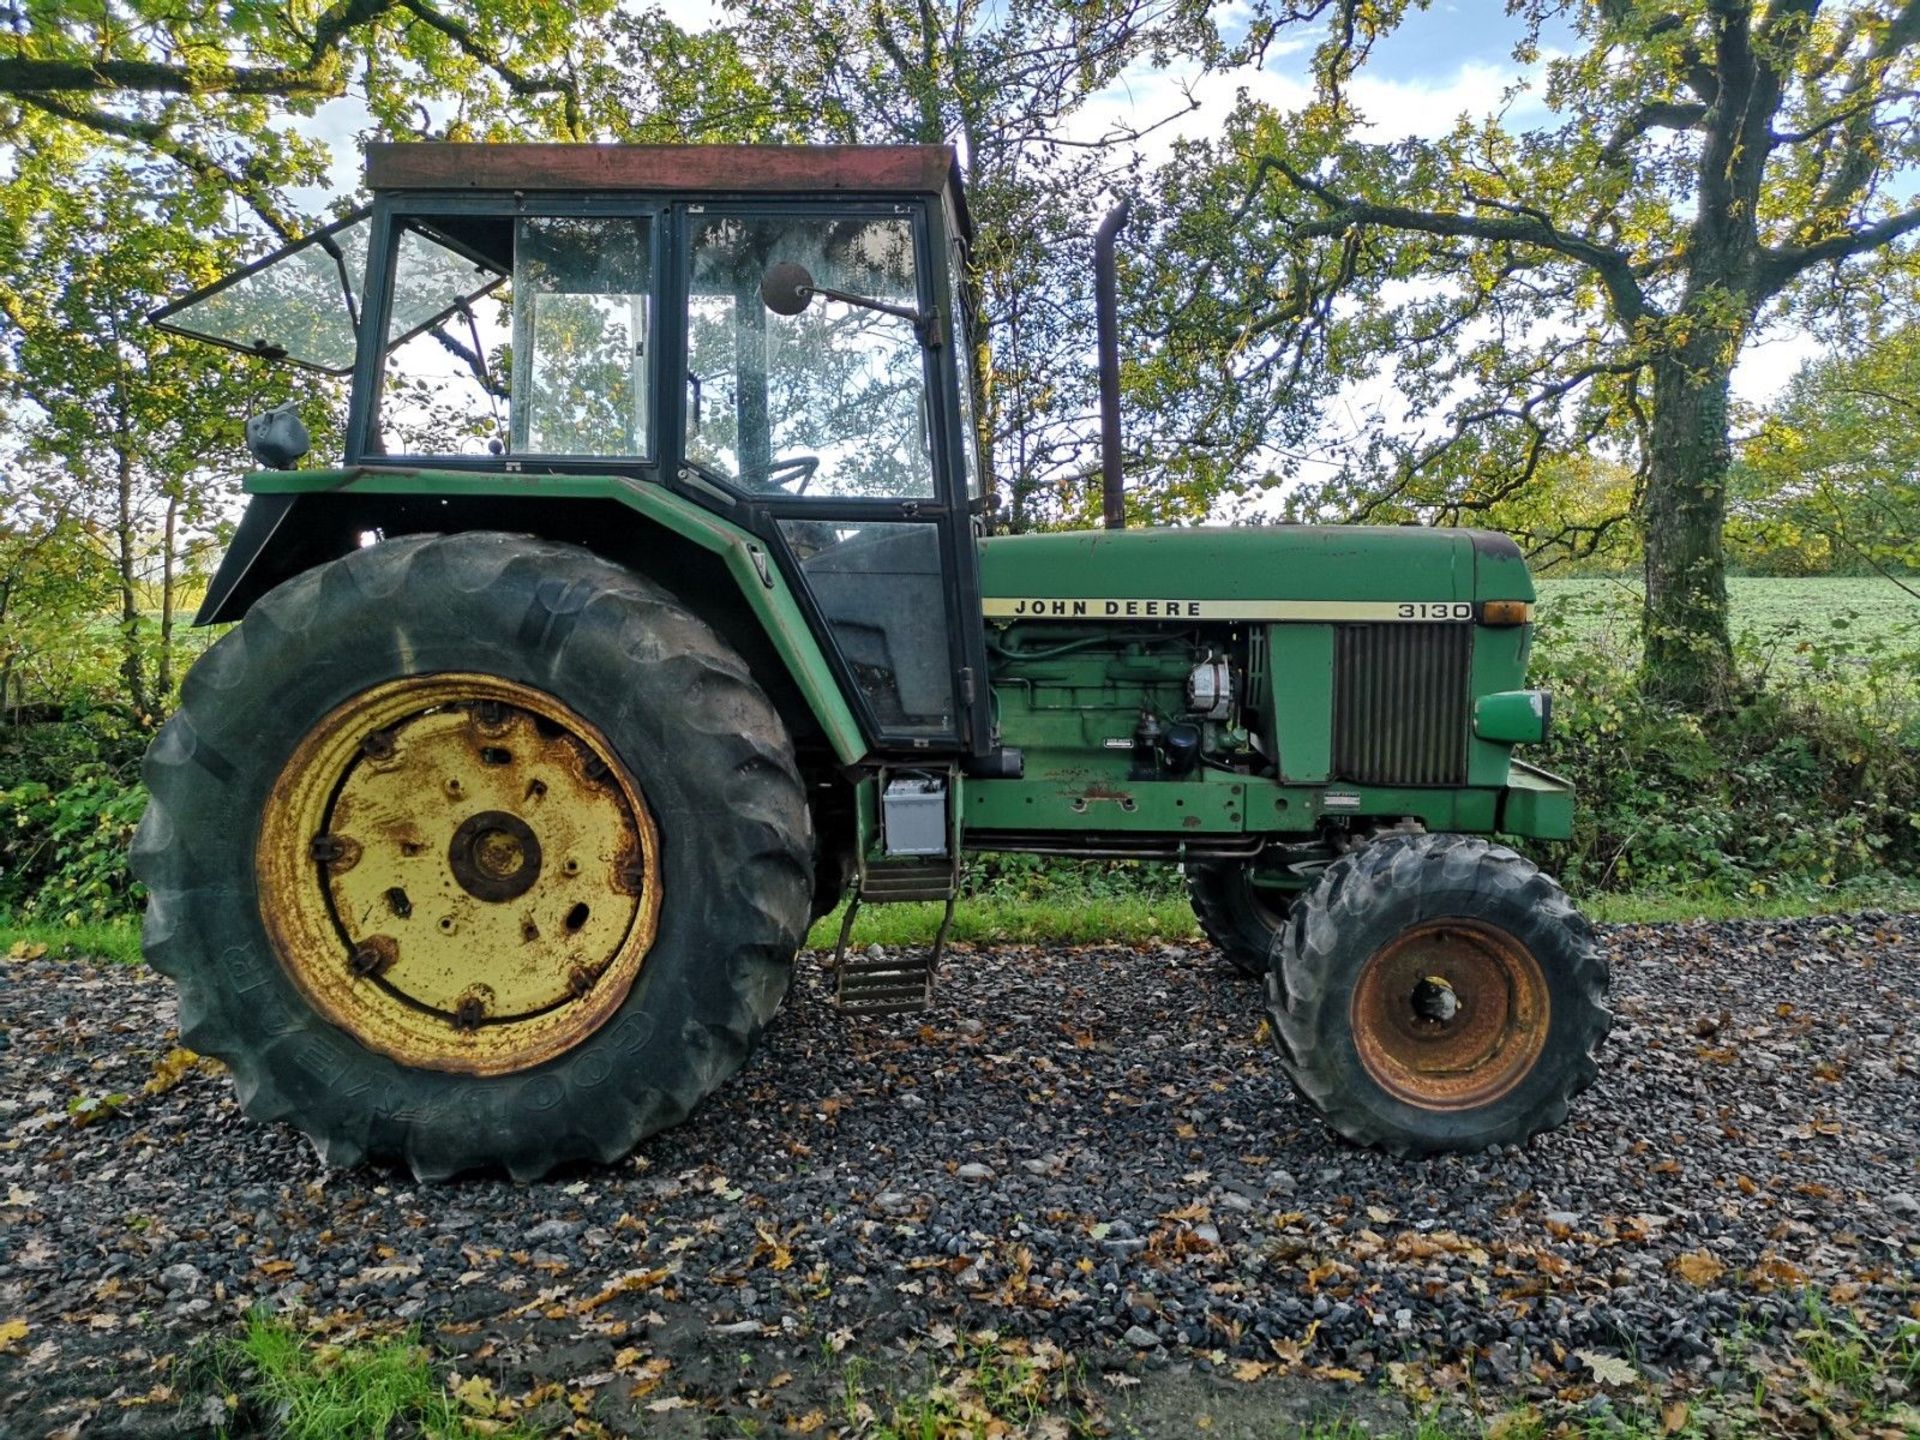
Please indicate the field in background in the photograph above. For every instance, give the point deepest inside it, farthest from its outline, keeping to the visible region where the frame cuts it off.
(1768, 612)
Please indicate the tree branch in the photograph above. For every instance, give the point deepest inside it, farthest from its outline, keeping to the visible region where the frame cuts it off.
(1659, 115)
(1613, 267)
(1786, 261)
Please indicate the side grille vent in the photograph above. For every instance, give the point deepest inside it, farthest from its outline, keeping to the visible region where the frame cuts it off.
(1400, 703)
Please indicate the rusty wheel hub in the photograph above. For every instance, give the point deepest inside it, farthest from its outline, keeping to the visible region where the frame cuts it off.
(1450, 1016)
(457, 870)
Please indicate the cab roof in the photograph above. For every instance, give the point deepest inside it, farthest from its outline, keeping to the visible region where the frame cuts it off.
(919, 170)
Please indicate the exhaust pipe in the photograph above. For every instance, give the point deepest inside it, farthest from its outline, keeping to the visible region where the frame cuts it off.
(1106, 304)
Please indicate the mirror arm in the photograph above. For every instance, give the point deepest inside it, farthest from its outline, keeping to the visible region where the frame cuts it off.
(925, 324)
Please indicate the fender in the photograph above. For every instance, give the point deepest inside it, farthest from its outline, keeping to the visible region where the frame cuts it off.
(301, 518)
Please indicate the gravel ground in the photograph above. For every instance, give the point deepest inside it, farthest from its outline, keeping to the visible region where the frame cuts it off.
(1082, 1148)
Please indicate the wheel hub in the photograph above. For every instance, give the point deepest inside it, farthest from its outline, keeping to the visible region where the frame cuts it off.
(1451, 1015)
(457, 870)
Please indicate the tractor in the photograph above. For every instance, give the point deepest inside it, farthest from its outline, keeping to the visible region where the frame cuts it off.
(654, 611)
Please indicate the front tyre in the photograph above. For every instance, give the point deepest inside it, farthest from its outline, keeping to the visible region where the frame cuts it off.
(473, 851)
(1438, 992)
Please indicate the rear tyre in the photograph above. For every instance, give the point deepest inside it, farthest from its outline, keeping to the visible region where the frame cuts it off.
(1438, 992)
(473, 851)
(1243, 920)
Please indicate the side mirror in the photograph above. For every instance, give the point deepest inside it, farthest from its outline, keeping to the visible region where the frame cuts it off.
(277, 438)
(786, 288)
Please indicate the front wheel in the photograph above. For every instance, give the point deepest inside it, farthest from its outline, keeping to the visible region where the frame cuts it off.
(1438, 992)
(473, 851)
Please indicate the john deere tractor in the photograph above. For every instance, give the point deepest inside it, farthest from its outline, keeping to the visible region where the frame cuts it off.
(653, 611)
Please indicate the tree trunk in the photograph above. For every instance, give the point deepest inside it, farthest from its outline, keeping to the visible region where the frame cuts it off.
(163, 690)
(133, 669)
(1688, 651)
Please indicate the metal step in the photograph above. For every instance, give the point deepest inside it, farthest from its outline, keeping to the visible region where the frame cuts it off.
(886, 884)
(896, 985)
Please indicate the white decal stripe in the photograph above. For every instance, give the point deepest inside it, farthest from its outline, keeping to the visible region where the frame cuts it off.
(1138, 607)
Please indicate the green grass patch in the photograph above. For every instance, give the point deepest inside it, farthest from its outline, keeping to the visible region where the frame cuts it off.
(115, 940)
(1082, 921)
(1897, 893)
(279, 1383)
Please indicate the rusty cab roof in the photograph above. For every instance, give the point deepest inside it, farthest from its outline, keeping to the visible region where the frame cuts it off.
(852, 170)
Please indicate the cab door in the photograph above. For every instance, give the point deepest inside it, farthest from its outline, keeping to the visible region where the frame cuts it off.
(832, 428)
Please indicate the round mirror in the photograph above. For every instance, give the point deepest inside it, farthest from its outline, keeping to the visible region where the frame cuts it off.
(786, 288)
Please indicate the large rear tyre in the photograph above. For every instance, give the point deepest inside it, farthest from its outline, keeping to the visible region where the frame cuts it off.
(1438, 992)
(473, 851)
(1242, 919)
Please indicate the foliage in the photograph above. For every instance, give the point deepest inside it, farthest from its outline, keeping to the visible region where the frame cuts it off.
(1831, 481)
(67, 811)
(1811, 774)
(1579, 285)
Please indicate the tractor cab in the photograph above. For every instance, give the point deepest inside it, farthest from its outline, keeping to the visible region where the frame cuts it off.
(776, 334)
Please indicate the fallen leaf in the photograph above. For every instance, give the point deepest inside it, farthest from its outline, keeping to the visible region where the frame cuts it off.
(477, 1395)
(1673, 1419)
(1697, 1267)
(1608, 1369)
(12, 1332)
(1250, 1370)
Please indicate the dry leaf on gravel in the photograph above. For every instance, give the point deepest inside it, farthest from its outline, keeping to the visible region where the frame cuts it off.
(1697, 1267)
(12, 1332)
(1608, 1369)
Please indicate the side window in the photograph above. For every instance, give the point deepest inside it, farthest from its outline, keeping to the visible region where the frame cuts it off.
(547, 355)
(963, 360)
(828, 403)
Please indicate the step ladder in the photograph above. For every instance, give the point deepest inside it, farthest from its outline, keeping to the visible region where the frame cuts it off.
(898, 983)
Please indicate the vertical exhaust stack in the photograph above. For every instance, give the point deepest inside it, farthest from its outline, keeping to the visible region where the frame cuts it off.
(1106, 305)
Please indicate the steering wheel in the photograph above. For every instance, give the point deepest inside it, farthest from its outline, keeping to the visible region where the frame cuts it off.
(803, 466)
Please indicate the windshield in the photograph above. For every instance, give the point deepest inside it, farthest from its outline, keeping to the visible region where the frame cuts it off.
(827, 403)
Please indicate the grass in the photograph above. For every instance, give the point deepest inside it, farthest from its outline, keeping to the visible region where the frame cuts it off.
(115, 940)
(1095, 920)
(277, 1382)
(1080, 920)
(1089, 920)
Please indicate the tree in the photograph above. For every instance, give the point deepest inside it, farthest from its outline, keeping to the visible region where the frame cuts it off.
(1834, 471)
(114, 429)
(1584, 284)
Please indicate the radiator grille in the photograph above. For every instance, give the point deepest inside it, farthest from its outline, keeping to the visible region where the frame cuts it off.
(1400, 703)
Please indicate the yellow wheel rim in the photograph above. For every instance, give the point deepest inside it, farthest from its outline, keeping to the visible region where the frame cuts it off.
(458, 871)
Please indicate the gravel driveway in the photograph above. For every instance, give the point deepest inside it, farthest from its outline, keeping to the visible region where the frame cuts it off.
(1084, 1146)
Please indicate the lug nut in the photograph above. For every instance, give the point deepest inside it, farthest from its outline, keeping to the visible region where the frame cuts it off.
(489, 714)
(468, 1014)
(580, 981)
(373, 955)
(378, 745)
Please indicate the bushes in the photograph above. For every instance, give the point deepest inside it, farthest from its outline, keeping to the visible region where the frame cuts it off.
(1810, 776)
(70, 796)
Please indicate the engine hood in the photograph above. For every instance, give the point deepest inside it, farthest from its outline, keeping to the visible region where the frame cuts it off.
(1329, 572)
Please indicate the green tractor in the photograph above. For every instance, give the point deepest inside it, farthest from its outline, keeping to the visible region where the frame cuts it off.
(653, 612)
